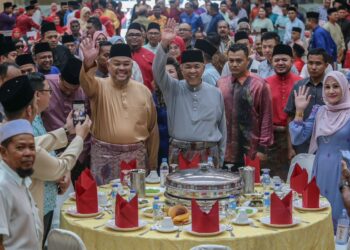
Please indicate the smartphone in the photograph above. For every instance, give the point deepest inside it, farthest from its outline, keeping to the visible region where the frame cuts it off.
(79, 112)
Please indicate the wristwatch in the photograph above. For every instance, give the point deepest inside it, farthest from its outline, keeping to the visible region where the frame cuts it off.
(344, 183)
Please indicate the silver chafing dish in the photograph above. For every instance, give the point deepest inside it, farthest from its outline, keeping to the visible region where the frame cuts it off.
(204, 184)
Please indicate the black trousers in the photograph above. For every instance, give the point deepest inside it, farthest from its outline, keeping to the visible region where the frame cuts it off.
(47, 225)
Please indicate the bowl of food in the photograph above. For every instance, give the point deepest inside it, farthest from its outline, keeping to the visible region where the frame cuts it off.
(179, 214)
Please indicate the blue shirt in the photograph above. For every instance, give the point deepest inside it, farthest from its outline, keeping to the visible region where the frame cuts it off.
(273, 17)
(50, 187)
(322, 39)
(194, 20)
(53, 71)
(212, 27)
(210, 75)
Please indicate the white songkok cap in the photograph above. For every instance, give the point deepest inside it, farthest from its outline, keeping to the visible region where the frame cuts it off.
(15, 127)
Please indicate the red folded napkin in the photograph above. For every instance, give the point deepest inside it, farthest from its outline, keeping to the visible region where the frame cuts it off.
(298, 179)
(186, 164)
(126, 166)
(255, 164)
(86, 193)
(126, 213)
(311, 195)
(203, 222)
(281, 210)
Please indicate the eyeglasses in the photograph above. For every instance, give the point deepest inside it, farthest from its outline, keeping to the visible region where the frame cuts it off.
(184, 30)
(153, 33)
(134, 35)
(19, 46)
(46, 90)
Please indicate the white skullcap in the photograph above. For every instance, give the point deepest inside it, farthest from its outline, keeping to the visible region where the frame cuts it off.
(15, 127)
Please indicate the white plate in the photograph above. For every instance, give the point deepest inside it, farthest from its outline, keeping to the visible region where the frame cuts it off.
(266, 221)
(72, 196)
(149, 215)
(166, 230)
(249, 221)
(222, 228)
(298, 204)
(161, 190)
(111, 224)
(145, 204)
(153, 180)
(255, 210)
(73, 212)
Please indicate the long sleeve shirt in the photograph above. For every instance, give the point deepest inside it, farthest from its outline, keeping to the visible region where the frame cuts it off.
(144, 59)
(212, 27)
(49, 168)
(210, 75)
(194, 20)
(289, 26)
(322, 39)
(248, 110)
(25, 23)
(121, 114)
(195, 114)
(337, 35)
(6, 21)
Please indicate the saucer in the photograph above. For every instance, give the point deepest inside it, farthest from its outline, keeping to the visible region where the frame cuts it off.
(73, 212)
(111, 224)
(247, 222)
(167, 229)
(299, 205)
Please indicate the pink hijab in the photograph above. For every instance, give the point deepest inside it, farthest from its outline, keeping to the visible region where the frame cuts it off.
(331, 118)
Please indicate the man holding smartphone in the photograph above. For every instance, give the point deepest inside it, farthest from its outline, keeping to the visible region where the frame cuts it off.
(124, 116)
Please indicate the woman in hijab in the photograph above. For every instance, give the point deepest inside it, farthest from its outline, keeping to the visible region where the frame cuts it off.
(177, 46)
(99, 36)
(85, 13)
(328, 126)
(116, 40)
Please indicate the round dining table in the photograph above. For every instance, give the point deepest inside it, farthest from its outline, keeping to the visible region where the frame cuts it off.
(315, 232)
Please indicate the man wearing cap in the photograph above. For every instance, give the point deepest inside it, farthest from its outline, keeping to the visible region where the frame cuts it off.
(296, 34)
(216, 17)
(59, 52)
(143, 57)
(269, 40)
(153, 37)
(293, 22)
(223, 30)
(242, 37)
(62, 12)
(8, 52)
(281, 85)
(320, 37)
(248, 110)
(210, 74)
(25, 22)
(69, 42)
(26, 63)
(337, 35)
(7, 18)
(196, 115)
(65, 91)
(19, 102)
(157, 17)
(20, 224)
(44, 59)
(123, 113)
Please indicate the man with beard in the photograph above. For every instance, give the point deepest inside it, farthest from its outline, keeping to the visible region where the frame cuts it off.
(153, 37)
(248, 110)
(196, 116)
(281, 85)
(142, 56)
(59, 52)
(43, 59)
(20, 225)
(119, 98)
(226, 41)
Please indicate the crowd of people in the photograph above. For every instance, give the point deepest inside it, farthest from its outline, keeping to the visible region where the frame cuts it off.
(231, 81)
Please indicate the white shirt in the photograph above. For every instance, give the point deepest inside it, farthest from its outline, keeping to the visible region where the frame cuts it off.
(20, 224)
(305, 73)
(254, 67)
